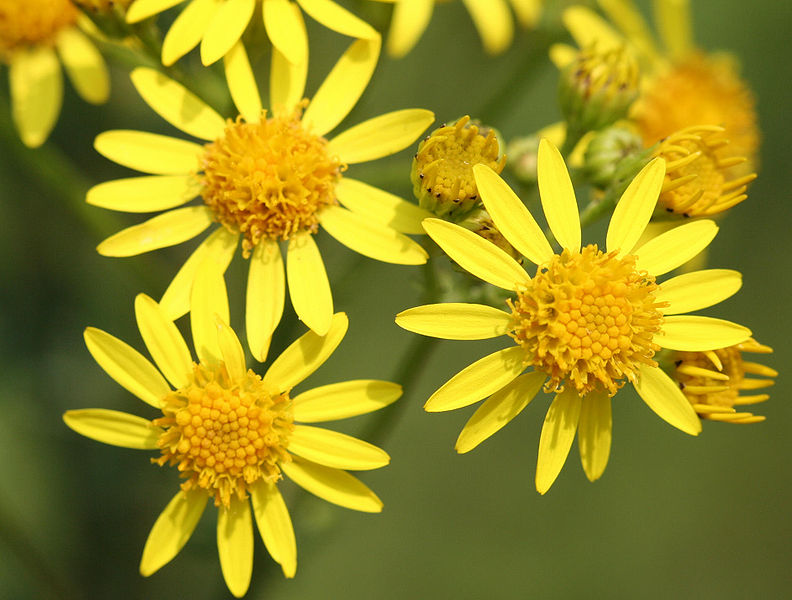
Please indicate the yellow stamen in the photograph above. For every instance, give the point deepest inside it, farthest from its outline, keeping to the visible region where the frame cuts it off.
(269, 179)
(588, 319)
(32, 22)
(223, 434)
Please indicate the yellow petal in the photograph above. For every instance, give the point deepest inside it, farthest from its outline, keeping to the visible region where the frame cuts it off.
(675, 247)
(242, 83)
(266, 292)
(305, 355)
(187, 29)
(149, 152)
(381, 206)
(130, 369)
(332, 485)
(635, 207)
(626, 16)
(562, 55)
(231, 350)
(226, 28)
(36, 93)
(493, 22)
(114, 428)
(336, 450)
(511, 217)
(455, 321)
(177, 105)
(334, 17)
(697, 334)
(527, 11)
(558, 433)
(380, 136)
(287, 79)
(164, 342)
(209, 300)
(664, 397)
(145, 194)
(141, 9)
(84, 65)
(220, 246)
(594, 434)
(697, 290)
(167, 229)
(675, 26)
(342, 87)
(286, 30)
(275, 525)
(172, 529)
(409, 21)
(370, 238)
(477, 255)
(499, 409)
(484, 377)
(309, 288)
(589, 28)
(235, 545)
(343, 400)
(558, 196)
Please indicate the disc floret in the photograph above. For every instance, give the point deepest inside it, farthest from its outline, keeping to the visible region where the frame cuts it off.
(587, 319)
(225, 434)
(31, 22)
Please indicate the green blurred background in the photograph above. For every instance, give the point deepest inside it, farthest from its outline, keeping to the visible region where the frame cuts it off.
(673, 516)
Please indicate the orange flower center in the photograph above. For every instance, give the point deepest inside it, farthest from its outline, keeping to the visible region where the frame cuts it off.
(224, 435)
(587, 319)
(31, 22)
(269, 179)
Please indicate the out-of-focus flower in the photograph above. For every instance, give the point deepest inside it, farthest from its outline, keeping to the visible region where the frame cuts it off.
(219, 24)
(34, 35)
(588, 322)
(266, 178)
(492, 19)
(231, 433)
(713, 381)
(442, 170)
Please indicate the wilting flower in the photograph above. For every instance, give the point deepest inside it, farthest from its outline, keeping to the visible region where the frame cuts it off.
(219, 24)
(34, 34)
(266, 178)
(588, 322)
(231, 433)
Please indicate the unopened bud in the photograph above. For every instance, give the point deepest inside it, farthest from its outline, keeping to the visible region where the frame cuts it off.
(609, 154)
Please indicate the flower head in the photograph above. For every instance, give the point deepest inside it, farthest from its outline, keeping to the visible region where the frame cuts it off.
(588, 321)
(713, 381)
(218, 26)
(33, 35)
(266, 177)
(233, 434)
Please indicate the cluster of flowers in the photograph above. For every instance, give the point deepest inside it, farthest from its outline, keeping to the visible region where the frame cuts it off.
(662, 134)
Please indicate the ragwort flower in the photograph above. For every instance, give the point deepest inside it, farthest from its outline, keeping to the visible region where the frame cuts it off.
(588, 322)
(34, 34)
(267, 178)
(219, 24)
(231, 433)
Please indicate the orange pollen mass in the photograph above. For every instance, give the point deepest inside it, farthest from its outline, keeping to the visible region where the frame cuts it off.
(224, 435)
(587, 319)
(32, 22)
(269, 179)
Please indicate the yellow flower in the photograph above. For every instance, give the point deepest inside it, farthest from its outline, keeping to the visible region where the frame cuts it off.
(231, 433)
(265, 177)
(586, 323)
(712, 381)
(683, 86)
(33, 35)
(491, 18)
(219, 24)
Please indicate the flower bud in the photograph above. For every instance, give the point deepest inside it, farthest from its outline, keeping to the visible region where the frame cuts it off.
(610, 153)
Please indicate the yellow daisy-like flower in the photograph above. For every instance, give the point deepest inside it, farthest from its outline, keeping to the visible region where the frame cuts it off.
(34, 35)
(267, 178)
(492, 19)
(683, 86)
(712, 381)
(586, 323)
(231, 433)
(219, 24)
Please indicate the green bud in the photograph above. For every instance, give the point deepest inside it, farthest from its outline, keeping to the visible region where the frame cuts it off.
(607, 152)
